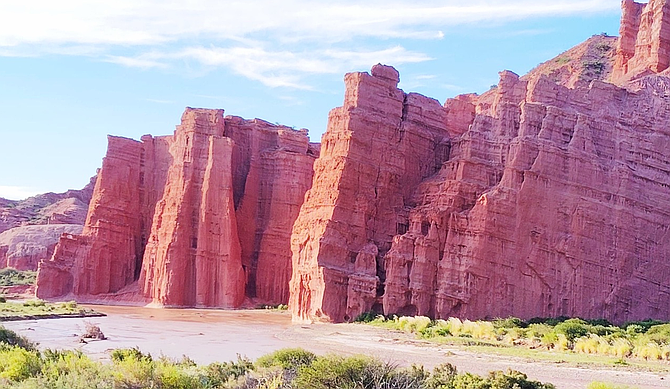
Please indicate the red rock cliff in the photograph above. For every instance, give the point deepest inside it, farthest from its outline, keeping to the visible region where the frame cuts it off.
(644, 46)
(191, 216)
(545, 196)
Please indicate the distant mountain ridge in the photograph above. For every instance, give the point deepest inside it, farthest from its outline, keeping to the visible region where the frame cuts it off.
(49, 208)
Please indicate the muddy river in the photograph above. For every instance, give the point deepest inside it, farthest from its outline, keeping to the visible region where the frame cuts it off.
(212, 335)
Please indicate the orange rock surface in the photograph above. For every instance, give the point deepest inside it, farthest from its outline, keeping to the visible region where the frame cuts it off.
(190, 217)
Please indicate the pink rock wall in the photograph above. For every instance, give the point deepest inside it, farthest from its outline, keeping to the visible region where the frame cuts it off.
(196, 218)
(377, 148)
(644, 46)
(549, 201)
(192, 257)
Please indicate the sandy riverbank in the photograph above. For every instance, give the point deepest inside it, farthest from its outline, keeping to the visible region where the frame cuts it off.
(213, 335)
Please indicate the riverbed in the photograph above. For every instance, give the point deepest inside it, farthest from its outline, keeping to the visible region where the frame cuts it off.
(206, 336)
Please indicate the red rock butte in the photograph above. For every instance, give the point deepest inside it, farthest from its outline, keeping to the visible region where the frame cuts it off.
(200, 218)
(548, 195)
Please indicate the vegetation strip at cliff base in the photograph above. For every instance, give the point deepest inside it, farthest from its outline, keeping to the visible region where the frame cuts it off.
(562, 339)
(39, 309)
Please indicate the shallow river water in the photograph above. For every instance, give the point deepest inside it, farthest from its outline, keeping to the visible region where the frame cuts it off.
(214, 335)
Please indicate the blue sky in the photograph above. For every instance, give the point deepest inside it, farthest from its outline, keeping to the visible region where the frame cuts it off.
(73, 71)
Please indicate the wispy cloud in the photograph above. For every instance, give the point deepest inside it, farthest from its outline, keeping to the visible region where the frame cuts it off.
(273, 42)
(137, 62)
(146, 22)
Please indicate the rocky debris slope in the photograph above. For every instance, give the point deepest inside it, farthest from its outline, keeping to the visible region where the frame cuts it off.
(199, 218)
(546, 196)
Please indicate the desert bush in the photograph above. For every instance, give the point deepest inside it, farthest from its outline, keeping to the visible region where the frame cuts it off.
(176, 376)
(572, 329)
(641, 326)
(538, 330)
(69, 305)
(442, 377)
(659, 333)
(34, 303)
(70, 370)
(551, 321)
(510, 322)
(218, 373)
(288, 358)
(368, 317)
(122, 354)
(415, 324)
(12, 277)
(17, 363)
(513, 380)
(353, 373)
(133, 369)
(11, 338)
(479, 329)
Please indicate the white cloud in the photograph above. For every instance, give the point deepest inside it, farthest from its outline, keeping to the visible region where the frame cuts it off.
(138, 62)
(273, 42)
(17, 192)
(148, 22)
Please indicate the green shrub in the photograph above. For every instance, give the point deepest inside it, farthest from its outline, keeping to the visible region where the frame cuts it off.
(218, 373)
(176, 376)
(288, 358)
(645, 325)
(659, 333)
(353, 373)
(552, 321)
(367, 317)
(11, 338)
(510, 322)
(514, 380)
(122, 354)
(34, 303)
(572, 329)
(17, 364)
(442, 378)
(13, 277)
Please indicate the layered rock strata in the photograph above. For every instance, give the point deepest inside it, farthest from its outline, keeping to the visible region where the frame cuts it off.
(644, 45)
(546, 196)
(190, 216)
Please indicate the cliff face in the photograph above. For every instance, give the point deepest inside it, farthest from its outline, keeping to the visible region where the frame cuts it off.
(644, 46)
(549, 197)
(187, 215)
(546, 196)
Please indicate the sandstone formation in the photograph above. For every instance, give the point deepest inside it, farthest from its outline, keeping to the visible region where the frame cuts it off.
(198, 218)
(546, 196)
(23, 247)
(644, 46)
